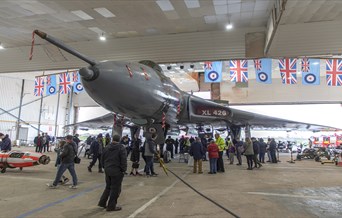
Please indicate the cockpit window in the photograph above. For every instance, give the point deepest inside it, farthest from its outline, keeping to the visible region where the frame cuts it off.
(16, 155)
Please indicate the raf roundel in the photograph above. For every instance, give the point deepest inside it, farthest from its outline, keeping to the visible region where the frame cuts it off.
(310, 78)
(262, 76)
(52, 90)
(213, 75)
(79, 87)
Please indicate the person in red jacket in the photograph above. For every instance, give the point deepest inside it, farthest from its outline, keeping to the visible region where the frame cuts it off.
(213, 152)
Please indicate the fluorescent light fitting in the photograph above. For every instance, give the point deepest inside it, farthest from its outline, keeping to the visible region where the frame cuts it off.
(104, 12)
(165, 5)
(229, 26)
(102, 37)
(82, 15)
(96, 30)
(192, 3)
(1, 46)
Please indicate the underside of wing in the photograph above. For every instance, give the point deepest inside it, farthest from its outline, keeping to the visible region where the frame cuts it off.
(103, 122)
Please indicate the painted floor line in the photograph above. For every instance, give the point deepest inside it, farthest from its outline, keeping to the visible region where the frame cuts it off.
(59, 201)
(142, 208)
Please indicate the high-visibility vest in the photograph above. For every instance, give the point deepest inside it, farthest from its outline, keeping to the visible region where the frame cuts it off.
(220, 143)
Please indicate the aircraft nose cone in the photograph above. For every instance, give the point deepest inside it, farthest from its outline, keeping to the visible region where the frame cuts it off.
(44, 160)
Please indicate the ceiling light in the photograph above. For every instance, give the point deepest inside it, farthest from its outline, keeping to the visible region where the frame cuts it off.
(192, 3)
(165, 5)
(1, 46)
(82, 15)
(229, 26)
(102, 37)
(104, 12)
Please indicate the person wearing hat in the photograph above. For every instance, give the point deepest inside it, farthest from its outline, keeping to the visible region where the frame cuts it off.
(96, 149)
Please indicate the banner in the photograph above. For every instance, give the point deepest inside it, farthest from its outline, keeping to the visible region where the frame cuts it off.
(288, 70)
(263, 70)
(64, 83)
(212, 72)
(38, 86)
(334, 72)
(239, 71)
(310, 71)
(77, 81)
(51, 85)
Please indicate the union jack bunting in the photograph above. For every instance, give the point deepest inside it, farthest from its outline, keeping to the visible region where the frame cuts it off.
(288, 70)
(38, 86)
(334, 72)
(74, 76)
(208, 65)
(239, 71)
(305, 65)
(64, 83)
(257, 64)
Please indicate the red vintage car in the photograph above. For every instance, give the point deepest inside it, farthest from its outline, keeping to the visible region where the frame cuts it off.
(21, 159)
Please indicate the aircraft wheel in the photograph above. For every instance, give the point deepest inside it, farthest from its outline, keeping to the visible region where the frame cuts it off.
(3, 170)
(21, 169)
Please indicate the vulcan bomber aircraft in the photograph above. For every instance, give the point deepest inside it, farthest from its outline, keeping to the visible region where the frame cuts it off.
(141, 92)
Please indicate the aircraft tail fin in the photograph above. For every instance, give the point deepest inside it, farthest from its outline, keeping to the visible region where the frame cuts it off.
(65, 47)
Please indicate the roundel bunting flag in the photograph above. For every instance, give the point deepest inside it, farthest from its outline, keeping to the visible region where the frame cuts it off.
(77, 82)
(263, 70)
(213, 72)
(51, 85)
(310, 71)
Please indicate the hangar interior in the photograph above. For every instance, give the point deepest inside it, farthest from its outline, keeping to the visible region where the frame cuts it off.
(181, 36)
(179, 33)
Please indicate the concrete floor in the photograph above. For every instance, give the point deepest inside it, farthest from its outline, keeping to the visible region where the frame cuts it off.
(303, 189)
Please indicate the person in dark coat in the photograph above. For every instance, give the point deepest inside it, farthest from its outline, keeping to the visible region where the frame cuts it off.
(197, 151)
(114, 161)
(150, 147)
(96, 149)
(107, 139)
(176, 146)
(135, 155)
(273, 147)
(76, 139)
(256, 150)
(262, 150)
(5, 144)
(239, 150)
(205, 146)
(67, 162)
(169, 145)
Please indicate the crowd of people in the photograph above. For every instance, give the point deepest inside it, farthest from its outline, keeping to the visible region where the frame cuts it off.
(112, 153)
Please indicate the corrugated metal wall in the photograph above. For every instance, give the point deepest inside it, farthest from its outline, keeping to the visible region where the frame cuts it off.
(307, 39)
(10, 89)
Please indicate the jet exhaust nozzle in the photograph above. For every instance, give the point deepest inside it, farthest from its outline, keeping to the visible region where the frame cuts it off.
(65, 47)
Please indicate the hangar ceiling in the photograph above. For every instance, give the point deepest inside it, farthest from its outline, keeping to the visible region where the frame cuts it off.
(162, 30)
